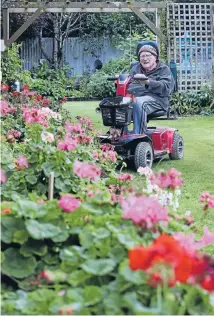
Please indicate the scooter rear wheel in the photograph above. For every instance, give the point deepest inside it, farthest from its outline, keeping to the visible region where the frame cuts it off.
(177, 147)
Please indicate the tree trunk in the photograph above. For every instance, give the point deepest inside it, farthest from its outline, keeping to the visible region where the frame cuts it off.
(55, 43)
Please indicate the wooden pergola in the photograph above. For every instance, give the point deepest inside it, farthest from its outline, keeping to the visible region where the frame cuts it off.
(68, 6)
(83, 7)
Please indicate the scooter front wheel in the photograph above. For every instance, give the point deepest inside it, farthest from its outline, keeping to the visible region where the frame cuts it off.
(143, 156)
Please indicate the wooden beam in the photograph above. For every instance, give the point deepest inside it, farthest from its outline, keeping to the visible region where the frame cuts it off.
(24, 27)
(88, 5)
(84, 10)
(150, 25)
(212, 44)
(6, 35)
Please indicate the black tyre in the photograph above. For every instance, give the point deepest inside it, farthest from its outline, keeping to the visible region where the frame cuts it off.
(177, 147)
(143, 156)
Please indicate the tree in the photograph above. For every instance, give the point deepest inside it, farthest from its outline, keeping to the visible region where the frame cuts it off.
(60, 27)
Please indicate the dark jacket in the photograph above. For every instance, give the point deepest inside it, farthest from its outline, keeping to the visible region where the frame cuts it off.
(160, 87)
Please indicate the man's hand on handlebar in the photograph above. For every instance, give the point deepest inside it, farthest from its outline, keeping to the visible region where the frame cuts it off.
(141, 77)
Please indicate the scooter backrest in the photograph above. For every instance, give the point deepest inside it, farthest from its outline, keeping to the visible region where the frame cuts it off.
(133, 63)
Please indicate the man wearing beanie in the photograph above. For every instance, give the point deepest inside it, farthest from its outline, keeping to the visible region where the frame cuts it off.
(152, 91)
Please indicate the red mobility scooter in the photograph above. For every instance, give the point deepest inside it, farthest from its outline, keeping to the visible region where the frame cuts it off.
(153, 143)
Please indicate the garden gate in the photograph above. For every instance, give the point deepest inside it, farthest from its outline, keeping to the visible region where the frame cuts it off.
(190, 42)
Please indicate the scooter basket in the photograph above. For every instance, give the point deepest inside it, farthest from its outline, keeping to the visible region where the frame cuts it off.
(115, 113)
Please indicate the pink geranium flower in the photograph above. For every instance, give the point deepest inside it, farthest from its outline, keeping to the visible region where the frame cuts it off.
(3, 176)
(68, 203)
(86, 122)
(206, 239)
(4, 107)
(15, 133)
(107, 147)
(35, 115)
(83, 139)
(143, 210)
(167, 179)
(73, 128)
(86, 170)
(4, 87)
(125, 177)
(21, 162)
(68, 144)
(207, 199)
(189, 243)
(108, 155)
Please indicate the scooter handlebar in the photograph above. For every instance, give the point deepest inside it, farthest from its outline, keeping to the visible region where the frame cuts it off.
(140, 77)
(112, 78)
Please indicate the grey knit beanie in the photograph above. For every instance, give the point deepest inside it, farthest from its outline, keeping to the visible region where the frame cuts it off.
(149, 49)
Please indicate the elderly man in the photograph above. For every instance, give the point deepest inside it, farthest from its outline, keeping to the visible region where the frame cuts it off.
(154, 86)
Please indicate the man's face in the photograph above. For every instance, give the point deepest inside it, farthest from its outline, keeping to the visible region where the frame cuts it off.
(147, 60)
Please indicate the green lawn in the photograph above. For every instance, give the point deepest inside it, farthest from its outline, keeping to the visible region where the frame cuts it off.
(197, 167)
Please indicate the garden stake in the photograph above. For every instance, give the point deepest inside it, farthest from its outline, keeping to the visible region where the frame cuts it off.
(51, 186)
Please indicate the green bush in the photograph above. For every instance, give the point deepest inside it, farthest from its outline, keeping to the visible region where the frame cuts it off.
(116, 66)
(99, 86)
(50, 82)
(193, 102)
(11, 65)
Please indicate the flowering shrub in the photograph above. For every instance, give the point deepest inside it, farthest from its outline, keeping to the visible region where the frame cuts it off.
(100, 246)
(79, 254)
(43, 143)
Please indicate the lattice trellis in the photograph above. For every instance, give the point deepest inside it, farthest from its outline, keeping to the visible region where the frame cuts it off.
(190, 43)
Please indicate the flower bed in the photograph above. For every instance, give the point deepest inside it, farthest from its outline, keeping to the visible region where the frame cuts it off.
(99, 247)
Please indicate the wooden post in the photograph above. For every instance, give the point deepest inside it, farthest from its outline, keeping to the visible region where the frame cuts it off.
(24, 27)
(6, 35)
(158, 26)
(212, 45)
(149, 23)
(51, 186)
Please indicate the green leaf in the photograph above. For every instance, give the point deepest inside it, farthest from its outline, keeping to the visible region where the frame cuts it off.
(16, 265)
(51, 259)
(101, 233)
(126, 240)
(20, 236)
(41, 230)
(36, 247)
(136, 277)
(29, 209)
(2, 257)
(99, 266)
(63, 236)
(31, 179)
(92, 295)
(86, 238)
(112, 304)
(136, 308)
(9, 226)
(117, 253)
(91, 208)
(21, 300)
(61, 185)
(77, 277)
(53, 211)
(70, 255)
